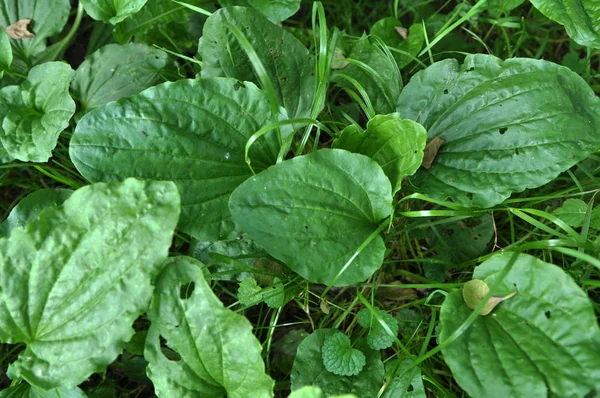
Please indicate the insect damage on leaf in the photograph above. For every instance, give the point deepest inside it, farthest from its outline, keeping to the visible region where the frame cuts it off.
(474, 291)
(18, 30)
(431, 150)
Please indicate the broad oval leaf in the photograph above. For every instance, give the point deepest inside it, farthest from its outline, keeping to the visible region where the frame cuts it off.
(74, 280)
(395, 144)
(25, 390)
(507, 125)
(111, 11)
(275, 10)
(31, 206)
(192, 132)
(309, 369)
(34, 114)
(219, 354)
(542, 342)
(6, 55)
(47, 19)
(114, 72)
(314, 212)
(581, 18)
(288, 63)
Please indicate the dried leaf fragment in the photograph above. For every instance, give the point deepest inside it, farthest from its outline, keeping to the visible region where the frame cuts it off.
(474, 292)
(403, 32)
(18, 30)
(431, 150)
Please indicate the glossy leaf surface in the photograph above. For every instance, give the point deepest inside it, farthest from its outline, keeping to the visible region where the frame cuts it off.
(36, 112)
(541, 342)
(197, 141)
(219, 354)
(74, 279)
(114, 72)
(111, 11)
(507, 125)
(287, 61)
(313, 212)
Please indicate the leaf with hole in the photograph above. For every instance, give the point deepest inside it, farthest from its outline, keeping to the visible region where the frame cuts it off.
(218, 354)
(407, 382)
(542, 342)
(315, 212)
(197, 141)
(507, 125)
(74, 279)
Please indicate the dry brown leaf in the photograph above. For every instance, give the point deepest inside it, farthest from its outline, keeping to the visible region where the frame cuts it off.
(402, 32)
(431, 150)
(18, 30)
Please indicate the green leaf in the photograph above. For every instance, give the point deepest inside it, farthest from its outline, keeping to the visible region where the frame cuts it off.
(114, 72)
(313, 213)
(340, 358)
(31, 206)
(215, 255)
(25, 390)
(48, 18)
(6, 55)
(315, 392)
(378, 338)
(581, 18)
(572, 212)
(396, 145)
(407, 383)
(197, 141)
(507, 125)
(542, 342)
(275, 10)
(219, 355)
(309, 369)
(498, 7)
(382, 83)
(249, 293)
(463, 240)
(74, 279)
(34, 114)
(111, 11)
(275, 296)
(288, 63)
(391, 32)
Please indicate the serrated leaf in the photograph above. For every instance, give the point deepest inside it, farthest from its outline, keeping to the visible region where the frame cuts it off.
(378, 338)
(6, 55)
(340, 358)
(112, 11)
(275, 10)
(219, 355)
(47, 18)
(289, 65)
(572, 212)
(31, 206)
(249, 293)
(314, 211)
(387, 30)
(34, 114)
(25, 390)
(275, 294)
(542, 342)
(309, 369)
(114, 72)
(74, 279)
(383, 87)
(395, 144)
(579, 17)
(198, 141)
(315, 392)
(494, 143)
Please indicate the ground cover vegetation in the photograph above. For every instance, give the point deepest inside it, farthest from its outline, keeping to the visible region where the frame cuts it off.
(250, 198)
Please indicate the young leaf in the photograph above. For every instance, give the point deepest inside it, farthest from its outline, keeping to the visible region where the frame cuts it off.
(407, 383)
(112, 11)
(47, 18)
(24, 390)
(395, 144)
(197, 141)
(494, 143)
(542, 342)
(114, 72)
(572, 212)
(288, 63)
(378, 338)
(275, 295)
(6, 55)
(388, 30)
(35, 113)
(579, 17)
(315, 392)
(340, 358)
(219, 355)
(313, 213)
(31, 206)
(275, 10)
(249, 293)
(74, 279)
(309, 369)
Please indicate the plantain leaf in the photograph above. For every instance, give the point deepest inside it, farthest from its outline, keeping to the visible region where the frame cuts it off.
(111, 11)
